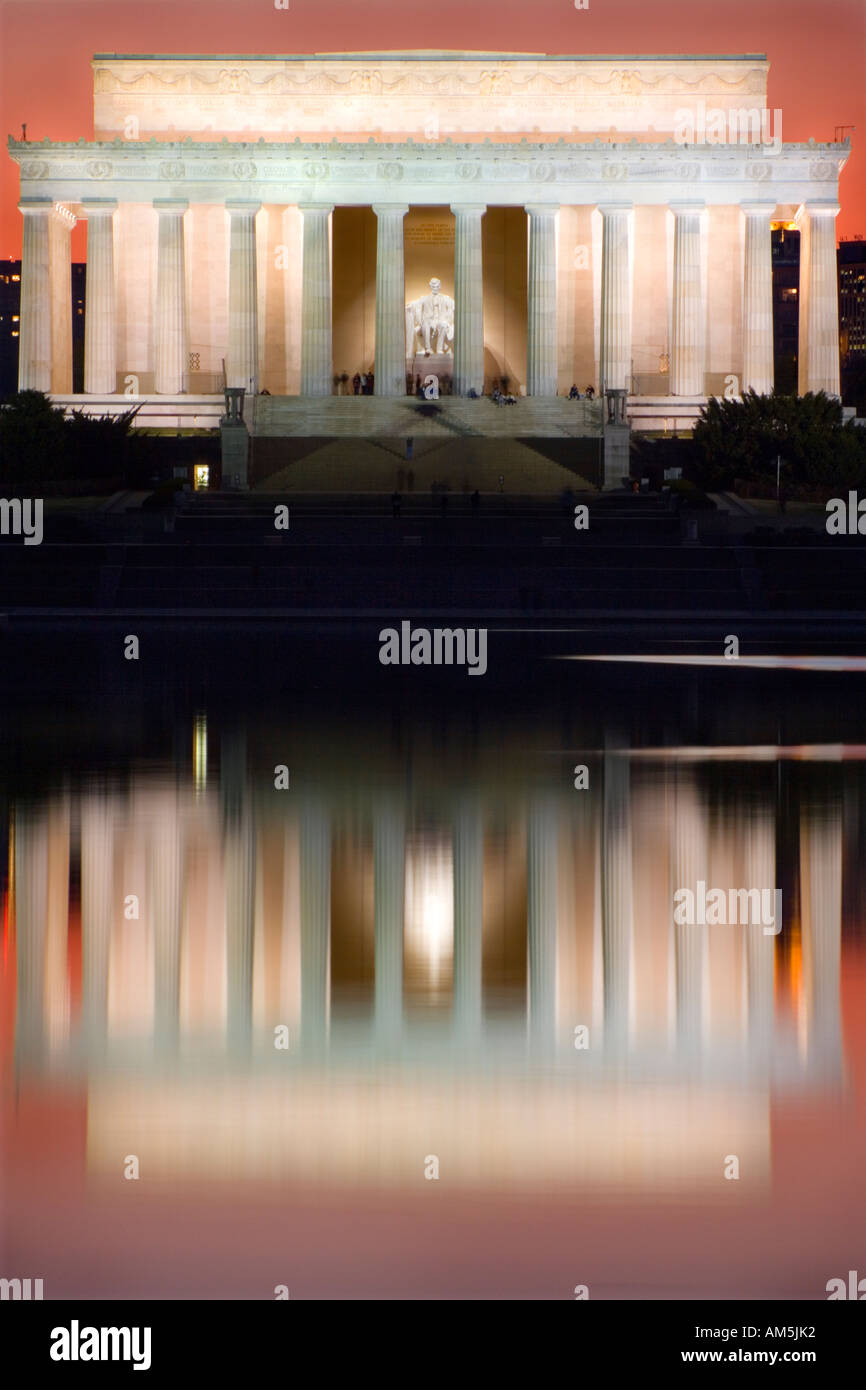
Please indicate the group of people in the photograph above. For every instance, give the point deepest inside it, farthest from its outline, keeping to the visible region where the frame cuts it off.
(363, 384)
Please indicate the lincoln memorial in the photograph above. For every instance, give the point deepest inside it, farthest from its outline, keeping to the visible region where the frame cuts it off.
(278, 223)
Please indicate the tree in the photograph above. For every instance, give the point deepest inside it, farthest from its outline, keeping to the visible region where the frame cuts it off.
(742, 439)
(39, 444)
(32, 439)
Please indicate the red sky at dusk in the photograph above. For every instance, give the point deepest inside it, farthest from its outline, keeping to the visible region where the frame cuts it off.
(816, 48)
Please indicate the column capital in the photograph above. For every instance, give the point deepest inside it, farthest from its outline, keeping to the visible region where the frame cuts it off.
(175, 205)
(541, 209)
(475, 208)
(606, 208)
(96, 207)
(32, 205)
(395, 209)
(757, 208)
(817, 207)
(242, 205)
(326, 208)
(687, 208)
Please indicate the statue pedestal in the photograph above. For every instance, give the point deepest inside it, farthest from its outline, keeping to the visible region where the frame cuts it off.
(437, 364)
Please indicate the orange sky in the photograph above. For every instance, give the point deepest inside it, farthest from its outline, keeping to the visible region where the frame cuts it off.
(817, 52)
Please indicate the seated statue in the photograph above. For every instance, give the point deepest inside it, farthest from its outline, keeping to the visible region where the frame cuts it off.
(430, 318)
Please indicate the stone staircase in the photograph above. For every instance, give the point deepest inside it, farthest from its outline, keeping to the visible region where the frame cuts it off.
(371, 417)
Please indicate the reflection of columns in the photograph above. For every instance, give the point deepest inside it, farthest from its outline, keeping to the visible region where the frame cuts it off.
(239, 856)
(819, 299)
(57, 922)
(171, 346)
(389, 871)
(821, 912)
(541, 302)
(758, 299)
(34, 337)
(617, 905)
(240, 880)
(390, 373)
(688, 865)
(97, 904)
(100, 331)
(615, 298)
(468, 905)
(541, 918)
(31, 871)
(688, 356)
(242, 364)
(468, 299)
(316, 355)
(165, 912)
(760, 872)
(315, 879)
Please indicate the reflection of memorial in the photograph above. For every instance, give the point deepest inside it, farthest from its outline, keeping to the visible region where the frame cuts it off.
(455, 949)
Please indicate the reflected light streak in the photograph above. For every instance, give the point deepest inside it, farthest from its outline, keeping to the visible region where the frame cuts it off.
(768, 663)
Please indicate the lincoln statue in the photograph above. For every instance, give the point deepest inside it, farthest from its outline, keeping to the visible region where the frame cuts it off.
(432, 318)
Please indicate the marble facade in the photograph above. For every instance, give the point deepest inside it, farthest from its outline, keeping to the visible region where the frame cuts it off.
(264, 221)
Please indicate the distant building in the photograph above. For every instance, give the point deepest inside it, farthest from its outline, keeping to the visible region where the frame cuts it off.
(10, 310)
(852, 301)
(786, 304)
(852, 322)
(10, 307)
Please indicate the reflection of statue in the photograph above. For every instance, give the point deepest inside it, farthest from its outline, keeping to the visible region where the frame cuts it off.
(431, 318)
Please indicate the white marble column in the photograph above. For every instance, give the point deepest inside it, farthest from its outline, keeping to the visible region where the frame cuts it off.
(758, 374)
(616, 297)
(468, 299)
(468, 849)
(171, 320)
(541, 919)
(541, 301)
(689, 347)
(315, 893)
(316, 353)
(389, 878)
(390, 370)
(60, 269)
(100, 328)
(819, 299)
(242, 361)
(34, 340)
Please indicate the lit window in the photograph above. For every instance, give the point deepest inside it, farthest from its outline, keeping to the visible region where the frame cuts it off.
(15, 318)
(15, 279)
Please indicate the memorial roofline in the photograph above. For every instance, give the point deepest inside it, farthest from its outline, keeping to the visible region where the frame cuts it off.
(190, 146)
(443, 55)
